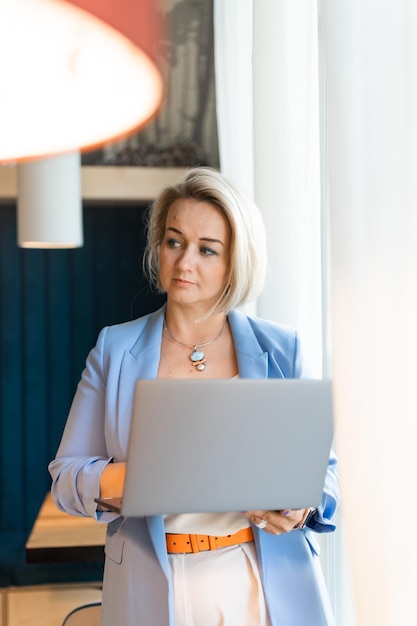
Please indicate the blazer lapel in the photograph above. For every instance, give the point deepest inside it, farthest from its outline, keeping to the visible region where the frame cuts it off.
(251, 359)
(140, 361)
(146, 351)
(156, 528)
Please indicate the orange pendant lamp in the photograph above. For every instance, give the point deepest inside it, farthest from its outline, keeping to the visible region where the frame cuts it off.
(75, 75)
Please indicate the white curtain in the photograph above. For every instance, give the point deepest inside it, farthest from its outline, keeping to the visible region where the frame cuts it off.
(371, 102)
(233, 42)
(267, 104)
(286, 164)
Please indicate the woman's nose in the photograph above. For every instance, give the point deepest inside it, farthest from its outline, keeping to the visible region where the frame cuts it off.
(186, 258)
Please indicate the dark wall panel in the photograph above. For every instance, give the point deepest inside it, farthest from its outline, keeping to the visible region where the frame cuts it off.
(12, 378)
(53, 303)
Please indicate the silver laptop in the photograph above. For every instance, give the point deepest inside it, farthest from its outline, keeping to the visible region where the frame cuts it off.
(226, 445)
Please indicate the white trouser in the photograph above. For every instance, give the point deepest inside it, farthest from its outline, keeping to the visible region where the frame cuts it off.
(218, 588)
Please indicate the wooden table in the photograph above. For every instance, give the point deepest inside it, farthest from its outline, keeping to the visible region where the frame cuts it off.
(57, 537)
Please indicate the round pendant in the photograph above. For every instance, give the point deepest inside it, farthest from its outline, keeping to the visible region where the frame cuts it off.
(201, 367)
(197, 355)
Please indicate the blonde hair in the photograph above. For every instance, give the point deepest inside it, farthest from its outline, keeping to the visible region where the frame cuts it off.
(248, 262)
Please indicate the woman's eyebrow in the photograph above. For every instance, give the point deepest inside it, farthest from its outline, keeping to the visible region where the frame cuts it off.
(175, 230)
(212, 240)
(209, 239)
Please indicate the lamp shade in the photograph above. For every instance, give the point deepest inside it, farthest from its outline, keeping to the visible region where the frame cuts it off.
(75, 75)
(49, 205)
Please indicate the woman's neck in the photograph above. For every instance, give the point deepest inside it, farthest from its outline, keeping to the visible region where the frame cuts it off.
(190, 326)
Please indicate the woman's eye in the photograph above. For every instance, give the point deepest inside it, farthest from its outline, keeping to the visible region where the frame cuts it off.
(173, 243)
(208, 251)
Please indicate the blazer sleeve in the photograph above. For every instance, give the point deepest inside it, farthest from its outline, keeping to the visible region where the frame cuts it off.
(321, 522)
(82, 454)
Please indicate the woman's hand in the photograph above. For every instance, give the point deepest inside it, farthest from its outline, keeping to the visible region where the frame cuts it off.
(277, 522)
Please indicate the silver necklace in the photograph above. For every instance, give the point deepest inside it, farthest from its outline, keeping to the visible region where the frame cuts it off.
(197, 357)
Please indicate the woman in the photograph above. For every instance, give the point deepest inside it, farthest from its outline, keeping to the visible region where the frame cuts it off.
(206, 251)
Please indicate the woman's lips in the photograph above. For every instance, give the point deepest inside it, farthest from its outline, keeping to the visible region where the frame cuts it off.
(182, 283)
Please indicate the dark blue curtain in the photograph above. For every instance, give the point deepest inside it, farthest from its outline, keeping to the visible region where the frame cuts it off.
(52, 305)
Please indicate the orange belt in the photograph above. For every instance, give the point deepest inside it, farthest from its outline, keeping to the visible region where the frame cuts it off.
(180, 544)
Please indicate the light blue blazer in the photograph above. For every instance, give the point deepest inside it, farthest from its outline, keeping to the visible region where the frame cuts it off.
(137, 588)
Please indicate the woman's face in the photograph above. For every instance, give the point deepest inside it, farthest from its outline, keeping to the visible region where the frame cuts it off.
(195, 253)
